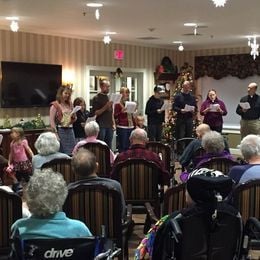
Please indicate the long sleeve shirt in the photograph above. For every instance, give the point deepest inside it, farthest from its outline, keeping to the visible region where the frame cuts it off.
(213, 118)
(153, 117)
(253, 112)
(180, 101)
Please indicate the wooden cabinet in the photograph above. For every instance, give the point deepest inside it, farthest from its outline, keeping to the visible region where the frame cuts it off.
(30, 135)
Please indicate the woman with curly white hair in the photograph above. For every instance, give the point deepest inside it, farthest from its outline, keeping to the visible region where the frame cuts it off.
(45, 195)
(47, 146)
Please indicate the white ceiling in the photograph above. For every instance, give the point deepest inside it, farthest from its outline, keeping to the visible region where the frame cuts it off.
(227, 26)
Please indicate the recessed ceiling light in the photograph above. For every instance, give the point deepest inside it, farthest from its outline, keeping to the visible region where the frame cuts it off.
(190, 24)
(95, 5)
(12, 18)
(177, 42)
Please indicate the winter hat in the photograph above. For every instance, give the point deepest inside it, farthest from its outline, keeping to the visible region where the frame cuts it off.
(207, 185)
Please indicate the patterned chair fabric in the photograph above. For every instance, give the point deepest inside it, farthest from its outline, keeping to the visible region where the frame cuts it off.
(246, 198)
(64, 167)
(102, 154)
(164, 150)
(10, 211)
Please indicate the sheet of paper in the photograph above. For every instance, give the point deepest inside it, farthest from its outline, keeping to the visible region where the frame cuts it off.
(189, 108)
(244, 105)
(165, 106)
(75, 109)
(130, 106)
(1, 139)
(92, 118)
(214, 107)
(115, 98)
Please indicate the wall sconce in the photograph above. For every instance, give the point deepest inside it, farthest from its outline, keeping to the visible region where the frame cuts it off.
(14, 26)
(68, 77)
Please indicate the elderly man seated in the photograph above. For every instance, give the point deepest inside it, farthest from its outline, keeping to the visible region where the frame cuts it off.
(138, 139)
(250, 149)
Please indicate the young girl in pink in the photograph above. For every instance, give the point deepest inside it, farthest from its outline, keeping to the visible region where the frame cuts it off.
(20, 154)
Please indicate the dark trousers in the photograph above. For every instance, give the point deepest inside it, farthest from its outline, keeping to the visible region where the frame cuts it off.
(155, 132)
(184, 128)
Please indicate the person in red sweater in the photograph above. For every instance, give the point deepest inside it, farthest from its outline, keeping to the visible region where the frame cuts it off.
(124, 121)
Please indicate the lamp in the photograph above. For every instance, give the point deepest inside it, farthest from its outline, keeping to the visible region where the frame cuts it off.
(219, 3)
(254, 48)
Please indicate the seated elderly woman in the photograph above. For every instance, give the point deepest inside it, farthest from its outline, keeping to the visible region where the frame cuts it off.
(45, 195)
(214, 146)
(92, 131)
(47, 146)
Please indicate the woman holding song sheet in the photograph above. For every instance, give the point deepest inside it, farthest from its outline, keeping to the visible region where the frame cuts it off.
(123, 114)
(213, 110)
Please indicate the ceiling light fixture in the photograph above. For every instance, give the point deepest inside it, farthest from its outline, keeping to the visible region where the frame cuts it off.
(180, 47)
(107, 39)
(254, 48)
(14, 26)
(97, 14)
(219, 3)
(97, 6)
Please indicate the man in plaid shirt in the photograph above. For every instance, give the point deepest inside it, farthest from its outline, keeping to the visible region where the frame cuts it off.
(138, 139)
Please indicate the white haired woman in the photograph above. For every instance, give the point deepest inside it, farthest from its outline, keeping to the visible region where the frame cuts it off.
(47, 146)
(45, 195)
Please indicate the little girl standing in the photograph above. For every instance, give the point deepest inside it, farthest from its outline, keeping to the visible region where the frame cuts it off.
(20, 154)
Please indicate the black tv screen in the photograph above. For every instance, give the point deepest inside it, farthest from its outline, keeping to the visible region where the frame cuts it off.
(29, 84)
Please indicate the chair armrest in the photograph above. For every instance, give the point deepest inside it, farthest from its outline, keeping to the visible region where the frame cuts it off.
(176, 229)
(153, 218)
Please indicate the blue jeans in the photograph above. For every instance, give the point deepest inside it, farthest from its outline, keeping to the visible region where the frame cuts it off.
(106, 135)
(123, 141)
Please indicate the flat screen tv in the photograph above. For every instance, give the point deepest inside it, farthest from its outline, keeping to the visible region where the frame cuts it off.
(29, 84)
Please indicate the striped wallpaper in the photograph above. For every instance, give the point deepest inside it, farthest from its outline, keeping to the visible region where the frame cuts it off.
(76, 54)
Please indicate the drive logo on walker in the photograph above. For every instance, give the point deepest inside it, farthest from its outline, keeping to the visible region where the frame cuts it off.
(52, 253)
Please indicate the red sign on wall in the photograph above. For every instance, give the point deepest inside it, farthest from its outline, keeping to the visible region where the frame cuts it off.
(119, 54)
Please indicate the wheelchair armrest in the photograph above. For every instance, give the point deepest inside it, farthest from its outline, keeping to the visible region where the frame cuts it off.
(176, 229)
(153, 218)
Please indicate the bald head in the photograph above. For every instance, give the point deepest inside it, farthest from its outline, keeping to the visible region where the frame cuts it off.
(186, 86)
(202, 129)
(138, 136)
(251, 89)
